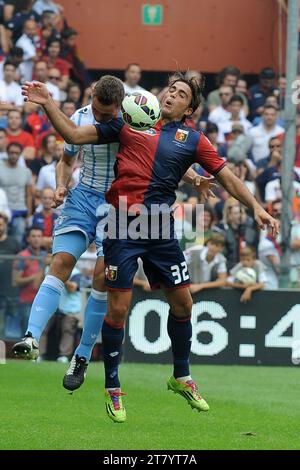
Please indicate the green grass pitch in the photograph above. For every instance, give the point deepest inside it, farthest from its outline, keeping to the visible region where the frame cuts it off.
(251, 408)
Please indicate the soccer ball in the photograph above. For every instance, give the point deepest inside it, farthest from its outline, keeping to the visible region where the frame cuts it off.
(246, 276)
(141, 110)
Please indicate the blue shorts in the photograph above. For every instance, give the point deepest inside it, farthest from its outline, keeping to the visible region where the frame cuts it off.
(85, 212)
(163, 262)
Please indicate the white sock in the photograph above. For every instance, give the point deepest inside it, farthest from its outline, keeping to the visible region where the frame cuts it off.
(117, 389)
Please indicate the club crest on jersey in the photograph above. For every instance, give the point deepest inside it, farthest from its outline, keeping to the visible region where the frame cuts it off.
(111, 273)
(181, 135)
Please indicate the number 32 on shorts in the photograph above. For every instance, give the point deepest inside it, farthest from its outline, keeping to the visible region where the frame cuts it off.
(180, 272)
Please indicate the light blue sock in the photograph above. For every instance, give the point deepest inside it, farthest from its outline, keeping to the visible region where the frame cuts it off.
(44, 305)
(95, 311)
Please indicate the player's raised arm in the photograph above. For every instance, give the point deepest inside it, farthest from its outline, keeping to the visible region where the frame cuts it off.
(210, 160)
(38, 93)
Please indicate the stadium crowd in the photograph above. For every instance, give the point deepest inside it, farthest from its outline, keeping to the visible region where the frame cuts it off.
(244, 124)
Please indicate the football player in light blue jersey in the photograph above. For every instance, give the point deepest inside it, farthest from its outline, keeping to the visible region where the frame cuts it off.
(81, 222)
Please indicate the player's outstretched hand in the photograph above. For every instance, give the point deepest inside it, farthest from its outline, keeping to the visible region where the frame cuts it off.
(263, 220)
(36, 92)
(59, 196)
(204, 186)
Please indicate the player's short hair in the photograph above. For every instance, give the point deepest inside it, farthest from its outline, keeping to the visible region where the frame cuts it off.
(235, 99)
(196, 85)
(248, 251)
(2, 129)
(109, 90)
(217, 239)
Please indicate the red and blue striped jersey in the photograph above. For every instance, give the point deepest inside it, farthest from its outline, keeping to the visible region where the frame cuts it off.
(150, 164)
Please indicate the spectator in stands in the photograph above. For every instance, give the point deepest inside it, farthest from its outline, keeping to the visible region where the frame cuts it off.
(268, 168)
(29, 43)
(228, 76)
(242, 88)
(4, 208)
(48, 30)
(3, 144)
(10, 90)
(54, 61)
(239, 230)
(56, 79)
(262, 133)
(273, 189)
(295, 247)
(211, 132)
(15, 133)
(8, 246)
(225, 128)
(207, 264)
(221, 113)
(272, 100)
(258, 92)
(48, 153)
(23, 12)
(74, 94)
(40, 6)
(45, 219)
(29, 273)
(17, 183)
(68, 108)
(133, 74)
(248, 275)
(15, 56)
(6, 10)
(46, 176)
(41, 73)
(239, 145)
(69, 52)
(269, 252)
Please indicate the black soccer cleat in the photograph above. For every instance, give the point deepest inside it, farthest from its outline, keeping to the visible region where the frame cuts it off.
(28, 348)
(76, 373)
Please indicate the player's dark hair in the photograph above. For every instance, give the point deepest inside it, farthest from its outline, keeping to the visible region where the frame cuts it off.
(2, 129)
(109, 90)
(236, 98)
(196, 85)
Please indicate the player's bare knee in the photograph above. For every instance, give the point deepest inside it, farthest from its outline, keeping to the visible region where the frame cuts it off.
(183, 308)
(61, 266)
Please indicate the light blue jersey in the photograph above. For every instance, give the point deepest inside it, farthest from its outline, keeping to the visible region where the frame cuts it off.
(98, 160)
(83, 216)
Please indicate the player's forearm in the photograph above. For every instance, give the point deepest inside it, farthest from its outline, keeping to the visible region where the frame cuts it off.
(64, 126)
(236, 188)
(63, 173)
(189, 176)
